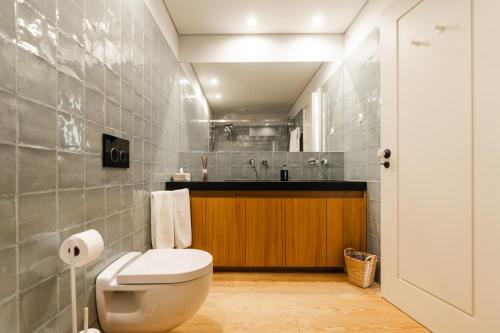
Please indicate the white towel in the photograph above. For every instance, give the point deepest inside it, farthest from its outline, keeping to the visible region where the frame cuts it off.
(295, 140)
(162, 219)
(182, 219)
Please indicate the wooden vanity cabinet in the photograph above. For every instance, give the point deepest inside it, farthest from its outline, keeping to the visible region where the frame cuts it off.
(264, 219)
(305, 235)
(278, 229)
(225, 230)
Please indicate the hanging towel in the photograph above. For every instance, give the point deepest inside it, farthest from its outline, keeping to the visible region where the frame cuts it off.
(295, 140)
(182, 219)
(162, 219)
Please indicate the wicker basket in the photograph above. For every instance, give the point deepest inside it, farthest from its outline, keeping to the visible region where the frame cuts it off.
(360, 267)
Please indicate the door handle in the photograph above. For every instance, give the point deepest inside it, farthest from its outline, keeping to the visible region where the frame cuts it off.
(384, 153)
(386, 164)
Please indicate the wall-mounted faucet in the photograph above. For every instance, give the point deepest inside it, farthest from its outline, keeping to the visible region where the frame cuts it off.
(251, 162)
(313, 161)
(265, 163)
(324, 161)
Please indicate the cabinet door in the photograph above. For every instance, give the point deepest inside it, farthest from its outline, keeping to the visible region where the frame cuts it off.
(264, 232)
(305, 232)
(225, 231)
(198, 223)
(335, 232)
(355, 223)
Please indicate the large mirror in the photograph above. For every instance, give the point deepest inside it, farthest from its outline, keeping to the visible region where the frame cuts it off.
(268, 107)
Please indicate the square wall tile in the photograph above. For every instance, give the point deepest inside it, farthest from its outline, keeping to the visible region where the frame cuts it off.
(8, 124)
(94, 204)
(37, 214)
(37, 305)
(8, 316)
(71, 208)
(94, 172)
(94, 73)
(37, 169)
(40, 41)
(94, 105)
(8, 232)
(8, 272)
(37, 124)
(70, 132)
(8, 167)
(71, 170)
(36, 78)
(70, 94)
(38, 260)
(71, 20)
(113, 228)
(70, 56)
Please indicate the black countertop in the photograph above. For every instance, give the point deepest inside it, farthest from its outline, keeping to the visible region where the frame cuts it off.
(262, 185)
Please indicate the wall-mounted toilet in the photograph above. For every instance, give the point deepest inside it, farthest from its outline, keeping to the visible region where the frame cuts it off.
(152, 292)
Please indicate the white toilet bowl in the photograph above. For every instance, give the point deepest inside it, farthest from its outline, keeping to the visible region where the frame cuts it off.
(152, 292)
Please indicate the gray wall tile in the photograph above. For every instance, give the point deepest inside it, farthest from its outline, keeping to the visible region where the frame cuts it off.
(8, 125)
(8, 316)
(8, 167)
(95, 73)
(36, 169)
(70, 94)
(7, 64)
(36, 78)
(71, 208)
(8, 232)
(40, 41)
(37, 124)
(38, 260)
(95, 204)
(38, 305)
(71, 170)
(8, 271)
(37, 214)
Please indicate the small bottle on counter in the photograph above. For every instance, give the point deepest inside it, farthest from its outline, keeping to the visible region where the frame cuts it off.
(284, 173)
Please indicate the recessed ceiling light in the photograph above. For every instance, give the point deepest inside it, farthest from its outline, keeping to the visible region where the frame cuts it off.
(214, 81)
(317, 20)
(252, 21)
(267, 124)
(218, 96)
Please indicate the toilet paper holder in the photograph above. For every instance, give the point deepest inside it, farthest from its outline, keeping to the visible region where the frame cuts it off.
(68, 252)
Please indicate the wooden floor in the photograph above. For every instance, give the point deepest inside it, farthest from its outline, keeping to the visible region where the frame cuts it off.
(295, 302)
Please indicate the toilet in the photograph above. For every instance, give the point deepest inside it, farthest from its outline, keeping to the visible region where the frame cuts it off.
(152, 292)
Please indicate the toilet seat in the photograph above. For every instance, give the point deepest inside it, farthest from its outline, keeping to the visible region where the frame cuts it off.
(164, 266)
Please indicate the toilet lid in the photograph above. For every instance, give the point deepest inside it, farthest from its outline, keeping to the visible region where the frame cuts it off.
(160, 266)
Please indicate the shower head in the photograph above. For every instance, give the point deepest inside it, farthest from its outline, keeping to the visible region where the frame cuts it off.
(228, 130)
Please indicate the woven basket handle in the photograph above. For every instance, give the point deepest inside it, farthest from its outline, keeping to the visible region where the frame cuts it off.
(349, 250)
(369, 258)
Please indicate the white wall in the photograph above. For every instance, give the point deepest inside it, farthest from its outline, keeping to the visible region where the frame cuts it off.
(364, 23)
(261, 48)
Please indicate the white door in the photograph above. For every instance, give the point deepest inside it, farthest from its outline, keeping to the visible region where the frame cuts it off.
(440, 225)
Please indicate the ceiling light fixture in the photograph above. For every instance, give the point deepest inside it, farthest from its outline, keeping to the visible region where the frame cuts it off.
(214, 81)
(251, 21)
(317, 20)
(218, 96)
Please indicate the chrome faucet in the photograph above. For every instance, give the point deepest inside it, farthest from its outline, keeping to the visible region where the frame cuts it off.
(313, 161)
(251, 162)
(265, 163)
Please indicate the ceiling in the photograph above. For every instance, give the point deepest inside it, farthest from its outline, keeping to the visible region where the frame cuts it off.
(254, 88)
(266, 16)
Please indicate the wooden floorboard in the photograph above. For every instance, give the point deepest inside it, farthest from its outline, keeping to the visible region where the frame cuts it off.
(295, 303)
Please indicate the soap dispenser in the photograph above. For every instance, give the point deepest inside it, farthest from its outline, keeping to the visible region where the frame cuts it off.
(284, 173)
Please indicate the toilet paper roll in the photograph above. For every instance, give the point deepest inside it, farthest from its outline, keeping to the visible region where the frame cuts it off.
(88, 246)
